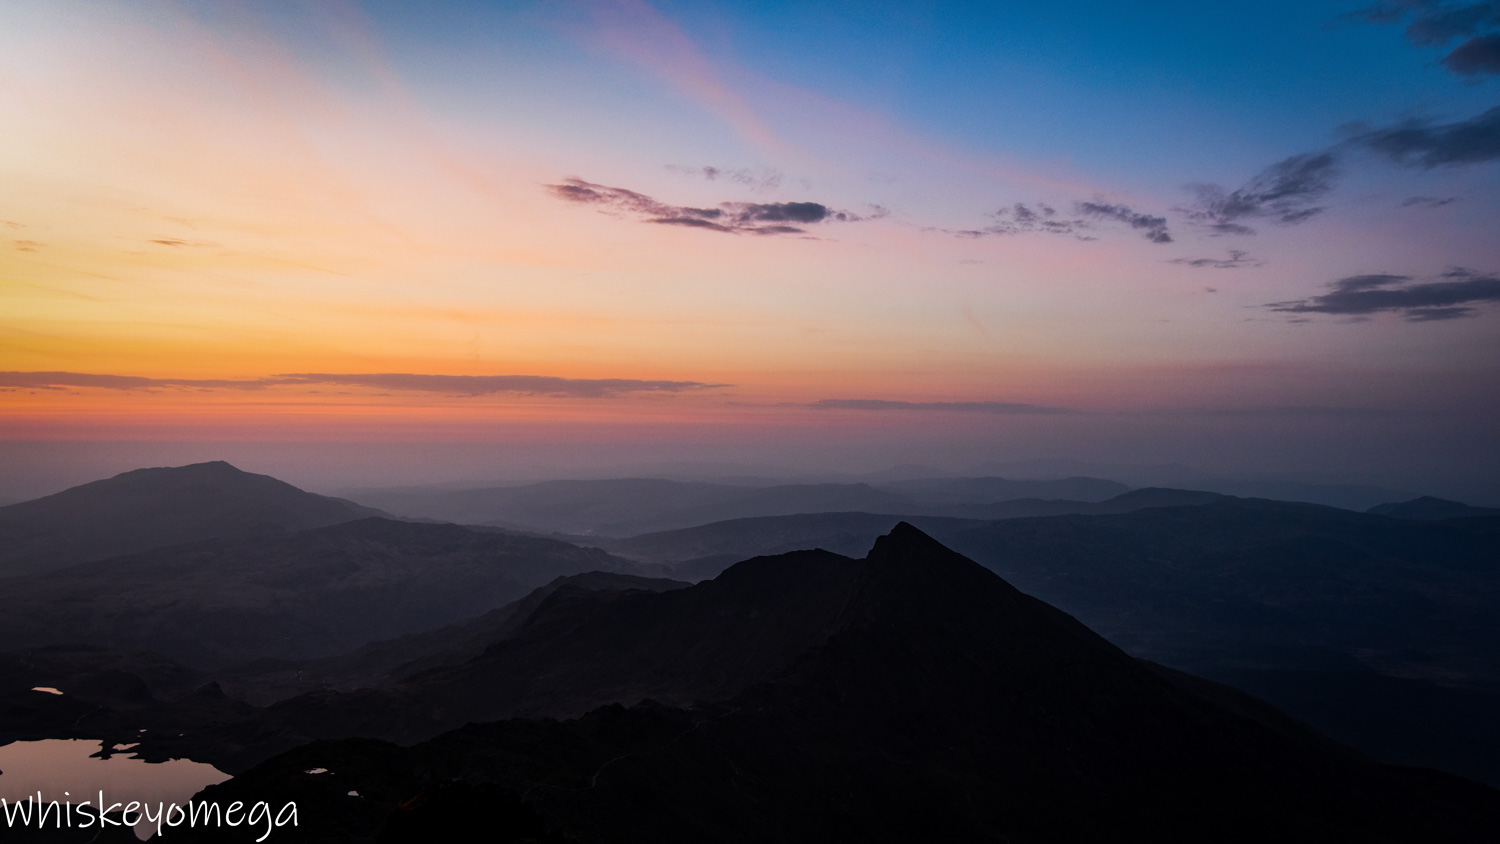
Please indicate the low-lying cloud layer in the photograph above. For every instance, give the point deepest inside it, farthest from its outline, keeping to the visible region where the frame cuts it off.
(730, 217)
(963, 406)
(1153, 228)
(462, 385)
(1432, 301)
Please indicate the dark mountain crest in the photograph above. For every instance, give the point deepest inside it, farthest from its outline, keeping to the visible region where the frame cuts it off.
(1429, 508)
(909, 570)
(207, 468)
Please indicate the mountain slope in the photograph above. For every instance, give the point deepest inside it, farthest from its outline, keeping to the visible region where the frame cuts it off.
(154, 508)
(383, 663)
(308, 594)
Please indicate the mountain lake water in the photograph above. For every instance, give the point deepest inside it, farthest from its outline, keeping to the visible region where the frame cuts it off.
(64, 770)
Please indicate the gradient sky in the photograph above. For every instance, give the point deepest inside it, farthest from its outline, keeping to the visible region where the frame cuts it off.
(1247, 237)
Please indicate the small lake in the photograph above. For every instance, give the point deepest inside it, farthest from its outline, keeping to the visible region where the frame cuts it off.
(64, 770)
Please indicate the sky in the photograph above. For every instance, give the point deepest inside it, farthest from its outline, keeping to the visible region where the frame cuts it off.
(391, 241)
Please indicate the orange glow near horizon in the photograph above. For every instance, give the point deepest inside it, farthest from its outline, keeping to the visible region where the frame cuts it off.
(218, 194)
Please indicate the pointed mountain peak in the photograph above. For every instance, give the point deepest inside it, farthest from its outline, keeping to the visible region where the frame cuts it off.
(907, 549)
(904, 540)
(911, 570)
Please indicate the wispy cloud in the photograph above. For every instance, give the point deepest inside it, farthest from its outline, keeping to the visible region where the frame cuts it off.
(753, 179)
(463, 385)
(961, 406)
(1291, 190)
(1427, 201)
(730, 217)
(1154, 228)
(1287, 192)
(1422, 143)
(1237, 258)
(1431, 301)
(1020, 218)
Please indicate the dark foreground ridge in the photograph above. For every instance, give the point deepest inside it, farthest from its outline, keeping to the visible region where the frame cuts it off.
(909, 696)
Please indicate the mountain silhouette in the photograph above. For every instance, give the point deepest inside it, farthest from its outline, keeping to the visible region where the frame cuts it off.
(153, 508)
(1429, 508)
(299, 595)
(909, 696)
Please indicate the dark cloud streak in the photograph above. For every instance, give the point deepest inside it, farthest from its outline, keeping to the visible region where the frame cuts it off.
(1021, 218)
(1237, 258)
(1287, 192)
(56, 380)
(1479, 56)
(1011, 408)
(475, 385)
(766, 218)
(1152, 227)
(467, 385)
(1432, 301)
(1420, 143)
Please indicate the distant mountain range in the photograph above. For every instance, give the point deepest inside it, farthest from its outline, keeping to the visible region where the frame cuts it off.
(153, 508)
(629, 506)
(809, 697)
(1345, 495)
(702, 551)
(1375, 628)
(1428, 508)
(300, 594)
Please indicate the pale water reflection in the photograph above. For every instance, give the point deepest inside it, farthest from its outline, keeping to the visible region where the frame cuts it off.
(64, 770)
